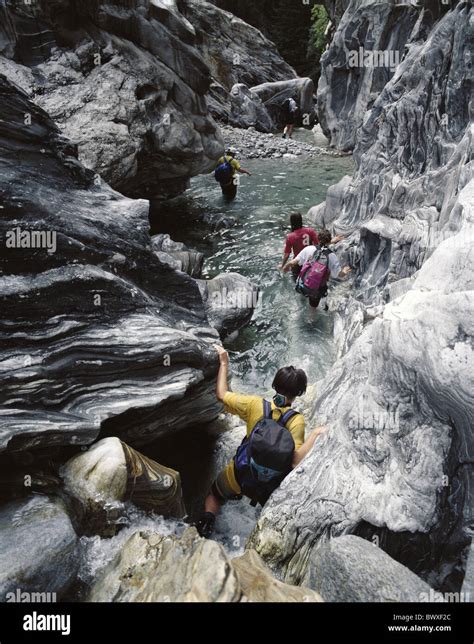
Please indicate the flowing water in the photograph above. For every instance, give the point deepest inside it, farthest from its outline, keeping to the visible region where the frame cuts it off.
(281, 332)
(283, 329)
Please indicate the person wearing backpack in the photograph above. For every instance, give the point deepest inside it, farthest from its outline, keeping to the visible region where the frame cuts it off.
(274, 443)
(317, 264)
(290, 111)
(300, 238)
(227, 167)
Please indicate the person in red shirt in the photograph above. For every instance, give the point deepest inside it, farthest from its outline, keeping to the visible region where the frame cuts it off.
(300, 237)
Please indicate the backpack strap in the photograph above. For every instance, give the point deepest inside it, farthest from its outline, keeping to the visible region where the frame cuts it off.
(288, 415)
(267, 409)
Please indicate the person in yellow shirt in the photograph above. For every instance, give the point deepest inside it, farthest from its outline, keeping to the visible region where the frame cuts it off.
(244, 476)
(227, 168)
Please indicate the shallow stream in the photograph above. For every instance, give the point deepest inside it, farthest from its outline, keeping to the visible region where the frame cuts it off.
(281, 332)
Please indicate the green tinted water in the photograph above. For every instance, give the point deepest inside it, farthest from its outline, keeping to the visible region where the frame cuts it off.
(282, 331)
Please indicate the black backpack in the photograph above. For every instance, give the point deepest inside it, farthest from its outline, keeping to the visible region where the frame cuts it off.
(265, 457)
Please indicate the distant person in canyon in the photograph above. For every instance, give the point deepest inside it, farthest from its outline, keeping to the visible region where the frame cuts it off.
(225, 174)
(300, 238)
(317, 263)
(273, 446)
(290, 116)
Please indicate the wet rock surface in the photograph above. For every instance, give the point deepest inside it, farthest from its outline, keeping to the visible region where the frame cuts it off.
(110, 473)
(230, 300)
(39, 548)
(97, 334)
(396, 462)
(154, 568)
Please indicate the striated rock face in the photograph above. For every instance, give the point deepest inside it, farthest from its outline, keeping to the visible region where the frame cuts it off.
(38, 553)
(155, 568)
(236, 53)
(397, 460)
(123, 80)
(351, 569)
(97, 333)
(370, 41)
(177, 255)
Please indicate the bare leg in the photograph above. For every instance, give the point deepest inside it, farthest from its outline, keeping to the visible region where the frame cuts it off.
(212, 504)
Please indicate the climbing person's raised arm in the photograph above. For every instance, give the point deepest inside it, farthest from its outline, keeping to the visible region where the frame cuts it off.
(222, 387)
(300, 453)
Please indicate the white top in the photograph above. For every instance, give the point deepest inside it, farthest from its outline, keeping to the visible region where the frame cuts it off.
(333, 262)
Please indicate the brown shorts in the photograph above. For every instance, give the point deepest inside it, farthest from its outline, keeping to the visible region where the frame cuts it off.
(225, 487)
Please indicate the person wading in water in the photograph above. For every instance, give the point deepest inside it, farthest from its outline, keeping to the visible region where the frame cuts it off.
(316, 265)
(225, 174)
(300, 238)
(274, 443)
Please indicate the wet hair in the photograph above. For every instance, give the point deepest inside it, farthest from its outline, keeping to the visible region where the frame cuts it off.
(290, 382)
(296, 221)
(325, 237)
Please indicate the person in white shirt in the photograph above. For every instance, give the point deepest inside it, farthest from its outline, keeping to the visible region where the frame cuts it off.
(334, 265)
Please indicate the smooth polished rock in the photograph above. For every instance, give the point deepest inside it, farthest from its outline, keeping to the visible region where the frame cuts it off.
(39, 552)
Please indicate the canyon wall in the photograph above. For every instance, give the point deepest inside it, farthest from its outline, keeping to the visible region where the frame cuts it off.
(123, 80)
(97, 334)
(396, 463)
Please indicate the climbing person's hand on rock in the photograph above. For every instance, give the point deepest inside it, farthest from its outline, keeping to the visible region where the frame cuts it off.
(223, 355)
(345, 271)
(320, 430)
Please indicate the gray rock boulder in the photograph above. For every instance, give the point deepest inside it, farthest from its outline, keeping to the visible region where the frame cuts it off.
(177, 255)
(98, 334)
(230, 300)
(247, 110)
(125, 82)
(258, 585)
(154, 568)
(351, 569)
(110, 473)
(39, 548)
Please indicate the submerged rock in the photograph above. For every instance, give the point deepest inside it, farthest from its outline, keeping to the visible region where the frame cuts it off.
(97, 333)
(124, 81)
(230, 300)
(351, 569)
(38, 551)
(111, 472)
